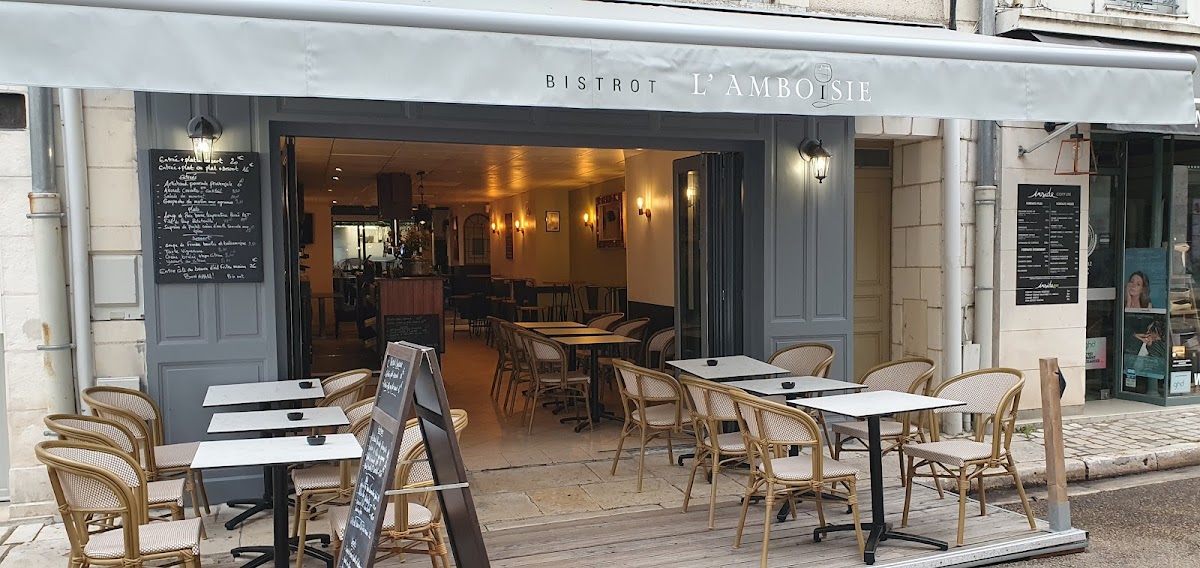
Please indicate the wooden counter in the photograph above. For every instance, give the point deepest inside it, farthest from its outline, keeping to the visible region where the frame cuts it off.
(410, 309)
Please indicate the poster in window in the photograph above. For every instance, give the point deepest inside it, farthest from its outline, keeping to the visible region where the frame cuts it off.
(1144, 287)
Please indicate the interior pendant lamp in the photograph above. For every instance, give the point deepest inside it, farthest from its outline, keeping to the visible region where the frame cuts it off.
(204, 132)
(813, 152)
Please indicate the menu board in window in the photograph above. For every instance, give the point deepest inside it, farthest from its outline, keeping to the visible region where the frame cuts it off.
(1048, 243)
(207, 218)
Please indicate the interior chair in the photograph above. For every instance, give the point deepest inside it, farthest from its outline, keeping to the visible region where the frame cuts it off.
(768, 428)
(993, 395)
(521, 374)
(141, 415)
(590, 302)
(659, 349)
(709, 407)
(807, 360)
(606, 321)
(408, 527)
(525, 296)
(551, 375)
(633, 329)
(166, 494)
(912, 375)
(90, 480)
(653, 405)
(504, 356)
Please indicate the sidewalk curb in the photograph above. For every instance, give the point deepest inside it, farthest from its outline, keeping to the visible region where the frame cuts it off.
(1104, 466)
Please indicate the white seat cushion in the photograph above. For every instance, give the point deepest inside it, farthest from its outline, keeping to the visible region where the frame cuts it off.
(418, 517)
(165, 492)
(729, 442)
(317, 477)
(950, 452)
(154, 538)
(858, 429)
(175, 455)
(800, 468)
(658, 415)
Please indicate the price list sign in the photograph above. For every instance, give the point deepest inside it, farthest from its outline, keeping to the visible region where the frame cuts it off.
(1048, 218)
(207, 218)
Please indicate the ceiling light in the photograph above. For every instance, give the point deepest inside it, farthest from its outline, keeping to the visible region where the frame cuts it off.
(329, 190)
(337, 169)
(335, 202)
(335, 178)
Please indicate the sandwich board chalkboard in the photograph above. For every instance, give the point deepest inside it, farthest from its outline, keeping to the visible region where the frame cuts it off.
(411, 380)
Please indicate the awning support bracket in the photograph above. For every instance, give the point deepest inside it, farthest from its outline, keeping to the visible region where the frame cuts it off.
(1021, 150)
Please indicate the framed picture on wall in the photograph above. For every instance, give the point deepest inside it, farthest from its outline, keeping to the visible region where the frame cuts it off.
(610, 221)
(552, 222)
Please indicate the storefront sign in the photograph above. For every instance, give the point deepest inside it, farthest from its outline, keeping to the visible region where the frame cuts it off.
(1181, 376)
(1048, 244)
(1096, 353)
(207, 219)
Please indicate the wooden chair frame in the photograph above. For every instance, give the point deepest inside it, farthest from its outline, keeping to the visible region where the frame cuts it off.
(552, 376)
(636, 399)
(706, 423)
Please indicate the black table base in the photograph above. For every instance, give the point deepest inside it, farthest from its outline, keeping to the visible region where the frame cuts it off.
(283, 545)
(877, 533)
(256, 506)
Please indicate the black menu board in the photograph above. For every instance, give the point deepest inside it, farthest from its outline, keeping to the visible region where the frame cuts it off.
(1048, 227)
(422, 329)
(207, 219)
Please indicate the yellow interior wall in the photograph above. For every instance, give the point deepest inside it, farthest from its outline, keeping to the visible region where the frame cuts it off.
(320, 252)
(650, 241)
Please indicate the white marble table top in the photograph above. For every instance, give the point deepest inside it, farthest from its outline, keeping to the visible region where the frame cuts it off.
(874, 403)
(262, 392)
(727, 367)
(268, 420)
(804, 385)
(549, 324)
(564, 331)
(274, 451)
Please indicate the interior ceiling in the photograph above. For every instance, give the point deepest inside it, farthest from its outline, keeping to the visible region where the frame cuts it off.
(455, 173)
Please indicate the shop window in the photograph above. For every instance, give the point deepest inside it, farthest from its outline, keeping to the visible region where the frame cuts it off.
(12, 111)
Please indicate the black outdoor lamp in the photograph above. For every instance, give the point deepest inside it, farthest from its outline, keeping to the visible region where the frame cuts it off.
(812, 151)
(204, 133)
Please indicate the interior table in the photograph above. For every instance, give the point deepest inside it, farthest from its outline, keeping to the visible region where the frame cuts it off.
(596, 342)
(265, 394)
(871, 406)
(275, 454)
(548, 324)
(569, 331)
(731, 367)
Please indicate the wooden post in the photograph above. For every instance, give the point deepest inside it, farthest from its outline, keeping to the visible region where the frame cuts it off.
(1059, 508)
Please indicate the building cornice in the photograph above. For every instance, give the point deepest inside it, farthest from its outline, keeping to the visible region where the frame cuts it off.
(1168, 30)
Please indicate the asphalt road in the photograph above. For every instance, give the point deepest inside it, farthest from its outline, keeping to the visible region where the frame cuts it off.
(1155, 525)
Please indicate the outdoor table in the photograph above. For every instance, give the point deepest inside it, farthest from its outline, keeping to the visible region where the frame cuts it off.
(275, 454)
(264, 394)
(275, 420)
(568, 331)
(804, 385)
(596, 342)
(548, 324)
(871, 406)
(731, 367)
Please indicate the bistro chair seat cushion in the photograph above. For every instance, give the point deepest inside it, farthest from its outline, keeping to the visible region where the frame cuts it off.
(858, 429)
(800, 468)
(728, 442)
(317, 477)
(155, 538)
(418, 517)
(659, 415)
(175, 455)
(950, 452)
(163, 492)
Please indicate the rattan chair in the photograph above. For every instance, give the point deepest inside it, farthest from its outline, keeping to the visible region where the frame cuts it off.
(710, 405)
(166, 494)
(521, 374)
(633, 329)
(552, 376)
(659, 349)
(808, 360)
(911, 375)
(91, 480)
(653, 405)
(606, 321)
(138, 412)
(348, 391)
(504, 356)
(768, 429)
(340, 381)
(993, 395)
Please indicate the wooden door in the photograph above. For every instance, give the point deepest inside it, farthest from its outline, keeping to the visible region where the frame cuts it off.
(872, 267)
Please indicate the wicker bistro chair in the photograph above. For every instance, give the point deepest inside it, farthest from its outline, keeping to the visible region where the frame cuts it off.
(768, 429)
(659, 349)
(349, 390)
(653, 405)
(340, 381)
(710, 405)
(90, 480)
(911, 375)
(166, 494)
(522, 373)
(551, 375)
(504, 356)
(808, 360)
(633, 329)
(995, 394)
(139, 413)
(408, 527)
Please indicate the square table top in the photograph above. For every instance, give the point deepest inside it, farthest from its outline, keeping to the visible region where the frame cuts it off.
(268, 420)
(549, 324)
(561, 331)
(727, 367)
(874, 403)
(804, 385)
(594, 340)
(261, 392)
(274, 451)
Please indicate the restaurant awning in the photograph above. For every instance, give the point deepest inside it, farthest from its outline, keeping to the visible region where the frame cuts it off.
(581, 54)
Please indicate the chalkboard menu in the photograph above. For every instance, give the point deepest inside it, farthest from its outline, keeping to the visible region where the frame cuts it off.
(422, 329)
(1048, 219)
(207, 218)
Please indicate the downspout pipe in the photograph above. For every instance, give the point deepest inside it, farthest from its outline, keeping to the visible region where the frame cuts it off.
(952, 314)
(985, 216)
(79, 229)
(45, 214)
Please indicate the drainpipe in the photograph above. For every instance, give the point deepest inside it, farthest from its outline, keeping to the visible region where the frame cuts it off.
(45, 213)
(952, 325)
(79, 229)
(985, 215)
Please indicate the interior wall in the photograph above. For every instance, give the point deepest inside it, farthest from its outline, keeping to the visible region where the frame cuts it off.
(553, 248)
(650, 241)
(589, 263)
(320, 252)
(462, 212)
(537, 254)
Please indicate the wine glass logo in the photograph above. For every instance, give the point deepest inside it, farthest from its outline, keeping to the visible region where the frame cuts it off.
(823, 74)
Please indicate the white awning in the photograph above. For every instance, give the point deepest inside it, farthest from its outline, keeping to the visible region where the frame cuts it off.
(580, 54)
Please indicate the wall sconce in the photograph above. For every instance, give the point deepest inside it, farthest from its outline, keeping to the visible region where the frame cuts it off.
(494, 229)
(517, 227)
(812, 151)
(642, 209)
(204, 133)
(589, 221)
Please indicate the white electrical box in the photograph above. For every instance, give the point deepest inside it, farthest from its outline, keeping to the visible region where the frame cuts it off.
(131, 383)
(117, 287)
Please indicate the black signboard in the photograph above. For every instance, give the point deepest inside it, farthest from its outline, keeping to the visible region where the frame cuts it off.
(411, 380)
(422, 329)
(207, 219)
(1048, 219)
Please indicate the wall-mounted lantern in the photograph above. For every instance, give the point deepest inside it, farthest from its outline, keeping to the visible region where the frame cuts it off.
(813, 152)
(204, 133)
(642, 209)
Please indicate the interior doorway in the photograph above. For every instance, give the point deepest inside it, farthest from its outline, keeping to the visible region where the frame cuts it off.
(872, 257)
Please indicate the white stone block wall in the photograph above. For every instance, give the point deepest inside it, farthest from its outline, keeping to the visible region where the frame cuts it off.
(929, 11)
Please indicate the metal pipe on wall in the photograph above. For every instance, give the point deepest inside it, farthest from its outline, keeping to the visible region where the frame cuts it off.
(985, 216)
(952, 326)
(78, 233)
(45, 213)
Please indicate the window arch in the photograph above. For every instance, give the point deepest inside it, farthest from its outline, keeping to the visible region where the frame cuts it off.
(476, 244)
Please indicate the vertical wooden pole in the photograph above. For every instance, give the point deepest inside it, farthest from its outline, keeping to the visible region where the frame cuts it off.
(1059, 508)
